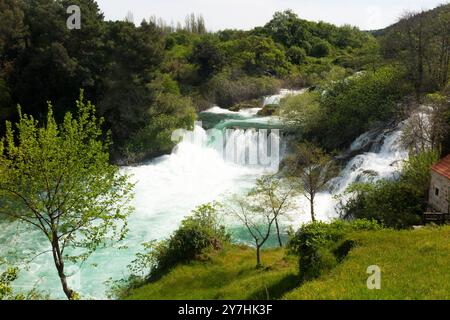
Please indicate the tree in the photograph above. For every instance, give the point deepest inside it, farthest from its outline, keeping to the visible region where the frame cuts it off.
(313, 168)
(421, 43)
(296, 55)
(416, 170)
(320, 49)
(427, 126)
(58, 179)
(260, 209)
(208, 57)
(270, 194)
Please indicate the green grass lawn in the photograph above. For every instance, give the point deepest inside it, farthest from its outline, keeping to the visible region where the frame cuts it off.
(414, 265)
(229, 274)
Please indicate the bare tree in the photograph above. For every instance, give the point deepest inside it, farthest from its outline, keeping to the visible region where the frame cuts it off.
(276, 195)
(427, 126)
(262, 207)
(313, 169)
(129, 17)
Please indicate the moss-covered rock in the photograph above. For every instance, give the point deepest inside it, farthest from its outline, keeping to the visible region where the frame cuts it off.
(268, 110)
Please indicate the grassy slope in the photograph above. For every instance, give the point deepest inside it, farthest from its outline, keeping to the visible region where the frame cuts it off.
(230, 274)
(414, 264)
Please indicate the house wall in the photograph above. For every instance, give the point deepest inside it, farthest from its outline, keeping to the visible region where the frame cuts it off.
(439, 202)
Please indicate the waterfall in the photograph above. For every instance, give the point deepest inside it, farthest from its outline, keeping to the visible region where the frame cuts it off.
(244, 147)
(203, 167)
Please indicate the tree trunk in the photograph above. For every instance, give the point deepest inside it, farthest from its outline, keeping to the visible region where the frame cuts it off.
(59, 263)
(258, 259)
(311, 201)
(278, 233)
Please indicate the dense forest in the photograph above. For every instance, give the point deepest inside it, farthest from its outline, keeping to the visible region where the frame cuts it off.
(175, 71)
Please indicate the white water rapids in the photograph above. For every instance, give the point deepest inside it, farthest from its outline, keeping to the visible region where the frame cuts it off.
(169, 187)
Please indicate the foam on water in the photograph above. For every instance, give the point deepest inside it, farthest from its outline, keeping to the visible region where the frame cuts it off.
(169, 187)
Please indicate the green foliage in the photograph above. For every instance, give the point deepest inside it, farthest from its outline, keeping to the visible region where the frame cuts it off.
(6, 278)
(208, 57)
(320, 49)
(352, 106)
(227, 90)
(416, 170)
(420, 43)
(301, 112)
(200, 231)
(296, 55)
(168, 113)
(57, 178)
(320, 244)
(393, 203)
(344, 108)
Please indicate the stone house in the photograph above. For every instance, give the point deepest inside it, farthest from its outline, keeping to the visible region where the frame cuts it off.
(440, 186)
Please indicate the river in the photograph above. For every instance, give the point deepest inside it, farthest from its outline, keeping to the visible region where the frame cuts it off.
(169, 187)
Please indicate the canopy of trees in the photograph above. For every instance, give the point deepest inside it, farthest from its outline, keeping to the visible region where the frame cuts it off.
(152, 76)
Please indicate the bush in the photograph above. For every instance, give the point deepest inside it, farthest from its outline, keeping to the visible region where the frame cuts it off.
(320, 49)
(393, 203)
(296, 55)
(322, 245)
(198, 232)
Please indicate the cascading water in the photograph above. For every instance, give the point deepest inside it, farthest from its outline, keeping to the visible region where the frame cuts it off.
(382, 161)
(169, 187)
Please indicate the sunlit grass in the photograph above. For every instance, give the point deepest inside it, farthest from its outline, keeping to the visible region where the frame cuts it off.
(414, 265)
(229, 274)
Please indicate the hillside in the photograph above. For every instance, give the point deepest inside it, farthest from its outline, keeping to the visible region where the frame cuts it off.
(414, 265)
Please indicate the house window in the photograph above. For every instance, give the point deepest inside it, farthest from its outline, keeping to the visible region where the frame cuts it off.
(436, 192)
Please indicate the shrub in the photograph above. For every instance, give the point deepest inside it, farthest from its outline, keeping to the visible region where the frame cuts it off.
(296, 55)
(198, 232)
(322, 245)
(393, 203)
(320, 49)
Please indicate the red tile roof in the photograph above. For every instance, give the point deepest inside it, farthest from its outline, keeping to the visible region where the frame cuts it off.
(443, 167)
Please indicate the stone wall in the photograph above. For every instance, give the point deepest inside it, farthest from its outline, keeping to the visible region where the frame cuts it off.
(440, 201)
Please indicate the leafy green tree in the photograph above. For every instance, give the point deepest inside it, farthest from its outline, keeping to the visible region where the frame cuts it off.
(12, 29)
(320, 49)
(296, 55)
(356, 104)
(209, 58)
(261, 56)
(416, 170)
(57, 178)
